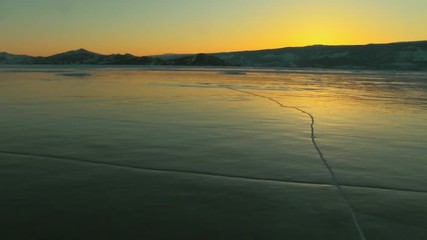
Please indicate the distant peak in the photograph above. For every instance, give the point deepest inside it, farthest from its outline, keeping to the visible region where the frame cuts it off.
(82, 50)
(78, 51)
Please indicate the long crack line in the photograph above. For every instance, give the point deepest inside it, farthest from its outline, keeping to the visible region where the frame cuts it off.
(202, 173)
(325, 162)
(163, 170)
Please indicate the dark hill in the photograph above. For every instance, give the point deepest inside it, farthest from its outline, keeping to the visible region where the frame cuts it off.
(404, 55)
(80, 56)
(397, 56)
(198, 60)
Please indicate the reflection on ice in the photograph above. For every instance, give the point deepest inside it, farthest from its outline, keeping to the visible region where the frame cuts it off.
(175, 133)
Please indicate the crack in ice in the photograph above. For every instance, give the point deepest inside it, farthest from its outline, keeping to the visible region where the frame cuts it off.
(325, 162)
(210, 174)
(165, 170)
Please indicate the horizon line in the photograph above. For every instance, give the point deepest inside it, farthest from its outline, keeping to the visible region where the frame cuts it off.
(222, 52)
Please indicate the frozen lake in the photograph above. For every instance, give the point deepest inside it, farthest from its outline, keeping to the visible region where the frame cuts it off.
(210, 153)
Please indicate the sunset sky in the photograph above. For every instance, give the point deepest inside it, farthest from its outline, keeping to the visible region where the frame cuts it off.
(147, 27)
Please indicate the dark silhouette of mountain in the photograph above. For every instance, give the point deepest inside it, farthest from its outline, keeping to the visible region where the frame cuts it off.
(198, 60)
(83, 56)
(80, 56)
(403, 55)
(399, 56)
(7, 58)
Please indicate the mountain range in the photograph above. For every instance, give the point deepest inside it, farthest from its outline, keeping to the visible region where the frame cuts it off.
(399, 56)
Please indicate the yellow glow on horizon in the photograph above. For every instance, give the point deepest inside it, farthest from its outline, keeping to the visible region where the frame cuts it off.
(153, 27)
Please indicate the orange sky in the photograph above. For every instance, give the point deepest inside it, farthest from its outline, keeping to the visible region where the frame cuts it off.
(147, 27)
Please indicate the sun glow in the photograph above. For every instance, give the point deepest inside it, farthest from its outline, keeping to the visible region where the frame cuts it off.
(155, 27)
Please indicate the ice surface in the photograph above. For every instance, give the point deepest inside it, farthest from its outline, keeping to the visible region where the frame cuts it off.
(167, 153)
